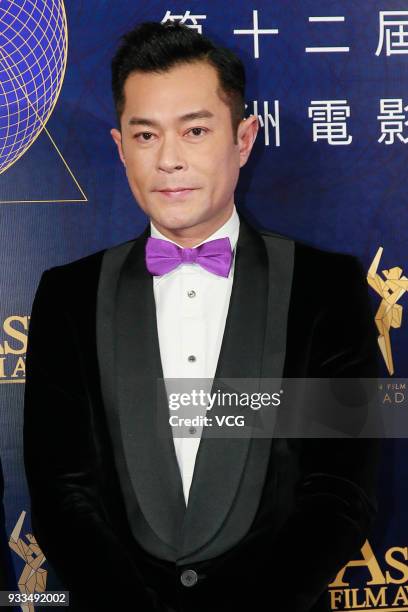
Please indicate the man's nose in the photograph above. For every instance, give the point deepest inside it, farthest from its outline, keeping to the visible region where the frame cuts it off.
(170, 155)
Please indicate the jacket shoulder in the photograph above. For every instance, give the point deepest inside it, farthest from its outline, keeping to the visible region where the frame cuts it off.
(85, 268)
(311, 257)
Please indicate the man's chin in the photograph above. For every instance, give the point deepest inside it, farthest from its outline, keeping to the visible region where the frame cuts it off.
(177, 222)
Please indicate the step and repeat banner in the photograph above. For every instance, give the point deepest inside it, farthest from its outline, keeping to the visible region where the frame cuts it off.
(329, 83)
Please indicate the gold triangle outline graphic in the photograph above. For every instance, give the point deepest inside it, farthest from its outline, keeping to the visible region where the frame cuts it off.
(44, 129)
(82, 200)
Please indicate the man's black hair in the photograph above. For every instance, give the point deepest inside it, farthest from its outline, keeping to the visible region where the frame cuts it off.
(157, 47)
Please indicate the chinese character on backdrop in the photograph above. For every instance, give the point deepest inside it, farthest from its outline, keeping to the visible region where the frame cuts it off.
(392, 119)
(330, 121)
(185, 19)
(268, 119)
(325, 48)
(256, 32)
(393, 32)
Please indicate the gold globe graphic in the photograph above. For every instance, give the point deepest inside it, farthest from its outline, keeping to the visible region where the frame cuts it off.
(33, 57)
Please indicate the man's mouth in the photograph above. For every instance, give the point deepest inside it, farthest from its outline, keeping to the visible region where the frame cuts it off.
(176, 192)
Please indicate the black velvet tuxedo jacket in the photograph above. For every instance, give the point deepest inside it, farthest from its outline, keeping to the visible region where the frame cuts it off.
(269, 522)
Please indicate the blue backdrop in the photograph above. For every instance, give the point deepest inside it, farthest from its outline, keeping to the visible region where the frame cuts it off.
(329, 81)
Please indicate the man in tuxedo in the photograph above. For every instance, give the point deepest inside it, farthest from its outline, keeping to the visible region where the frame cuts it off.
(133, 520)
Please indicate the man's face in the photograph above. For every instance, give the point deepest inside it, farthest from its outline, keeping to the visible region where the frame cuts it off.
(177, 144)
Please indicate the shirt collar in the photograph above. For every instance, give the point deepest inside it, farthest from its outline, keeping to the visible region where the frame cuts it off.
(230, 230)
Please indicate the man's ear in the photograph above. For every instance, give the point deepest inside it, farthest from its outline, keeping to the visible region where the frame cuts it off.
(247, 131)
(117, 138)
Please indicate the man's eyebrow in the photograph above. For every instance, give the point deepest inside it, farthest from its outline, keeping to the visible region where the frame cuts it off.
(201, 114)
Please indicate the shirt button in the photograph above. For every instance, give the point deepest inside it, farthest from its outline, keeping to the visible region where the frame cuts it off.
(192, 358)
(191, 293)
(189, 578)
(192, 430)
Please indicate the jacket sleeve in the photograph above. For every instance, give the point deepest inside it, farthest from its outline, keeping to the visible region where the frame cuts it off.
(68, 517)
(335, 498)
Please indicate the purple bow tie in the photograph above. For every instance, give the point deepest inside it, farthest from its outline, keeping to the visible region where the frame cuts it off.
(163, 256)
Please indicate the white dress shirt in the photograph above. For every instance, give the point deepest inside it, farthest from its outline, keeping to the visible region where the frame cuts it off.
(191, 310)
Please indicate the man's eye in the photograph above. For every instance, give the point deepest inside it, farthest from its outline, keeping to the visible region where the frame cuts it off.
(197, 131)
(145, 136)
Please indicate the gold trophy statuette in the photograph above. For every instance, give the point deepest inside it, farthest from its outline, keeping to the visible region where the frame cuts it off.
(33, 578)
(389, 313)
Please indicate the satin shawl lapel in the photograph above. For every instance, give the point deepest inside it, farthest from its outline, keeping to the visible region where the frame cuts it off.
(130, 366)
(253, 346)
